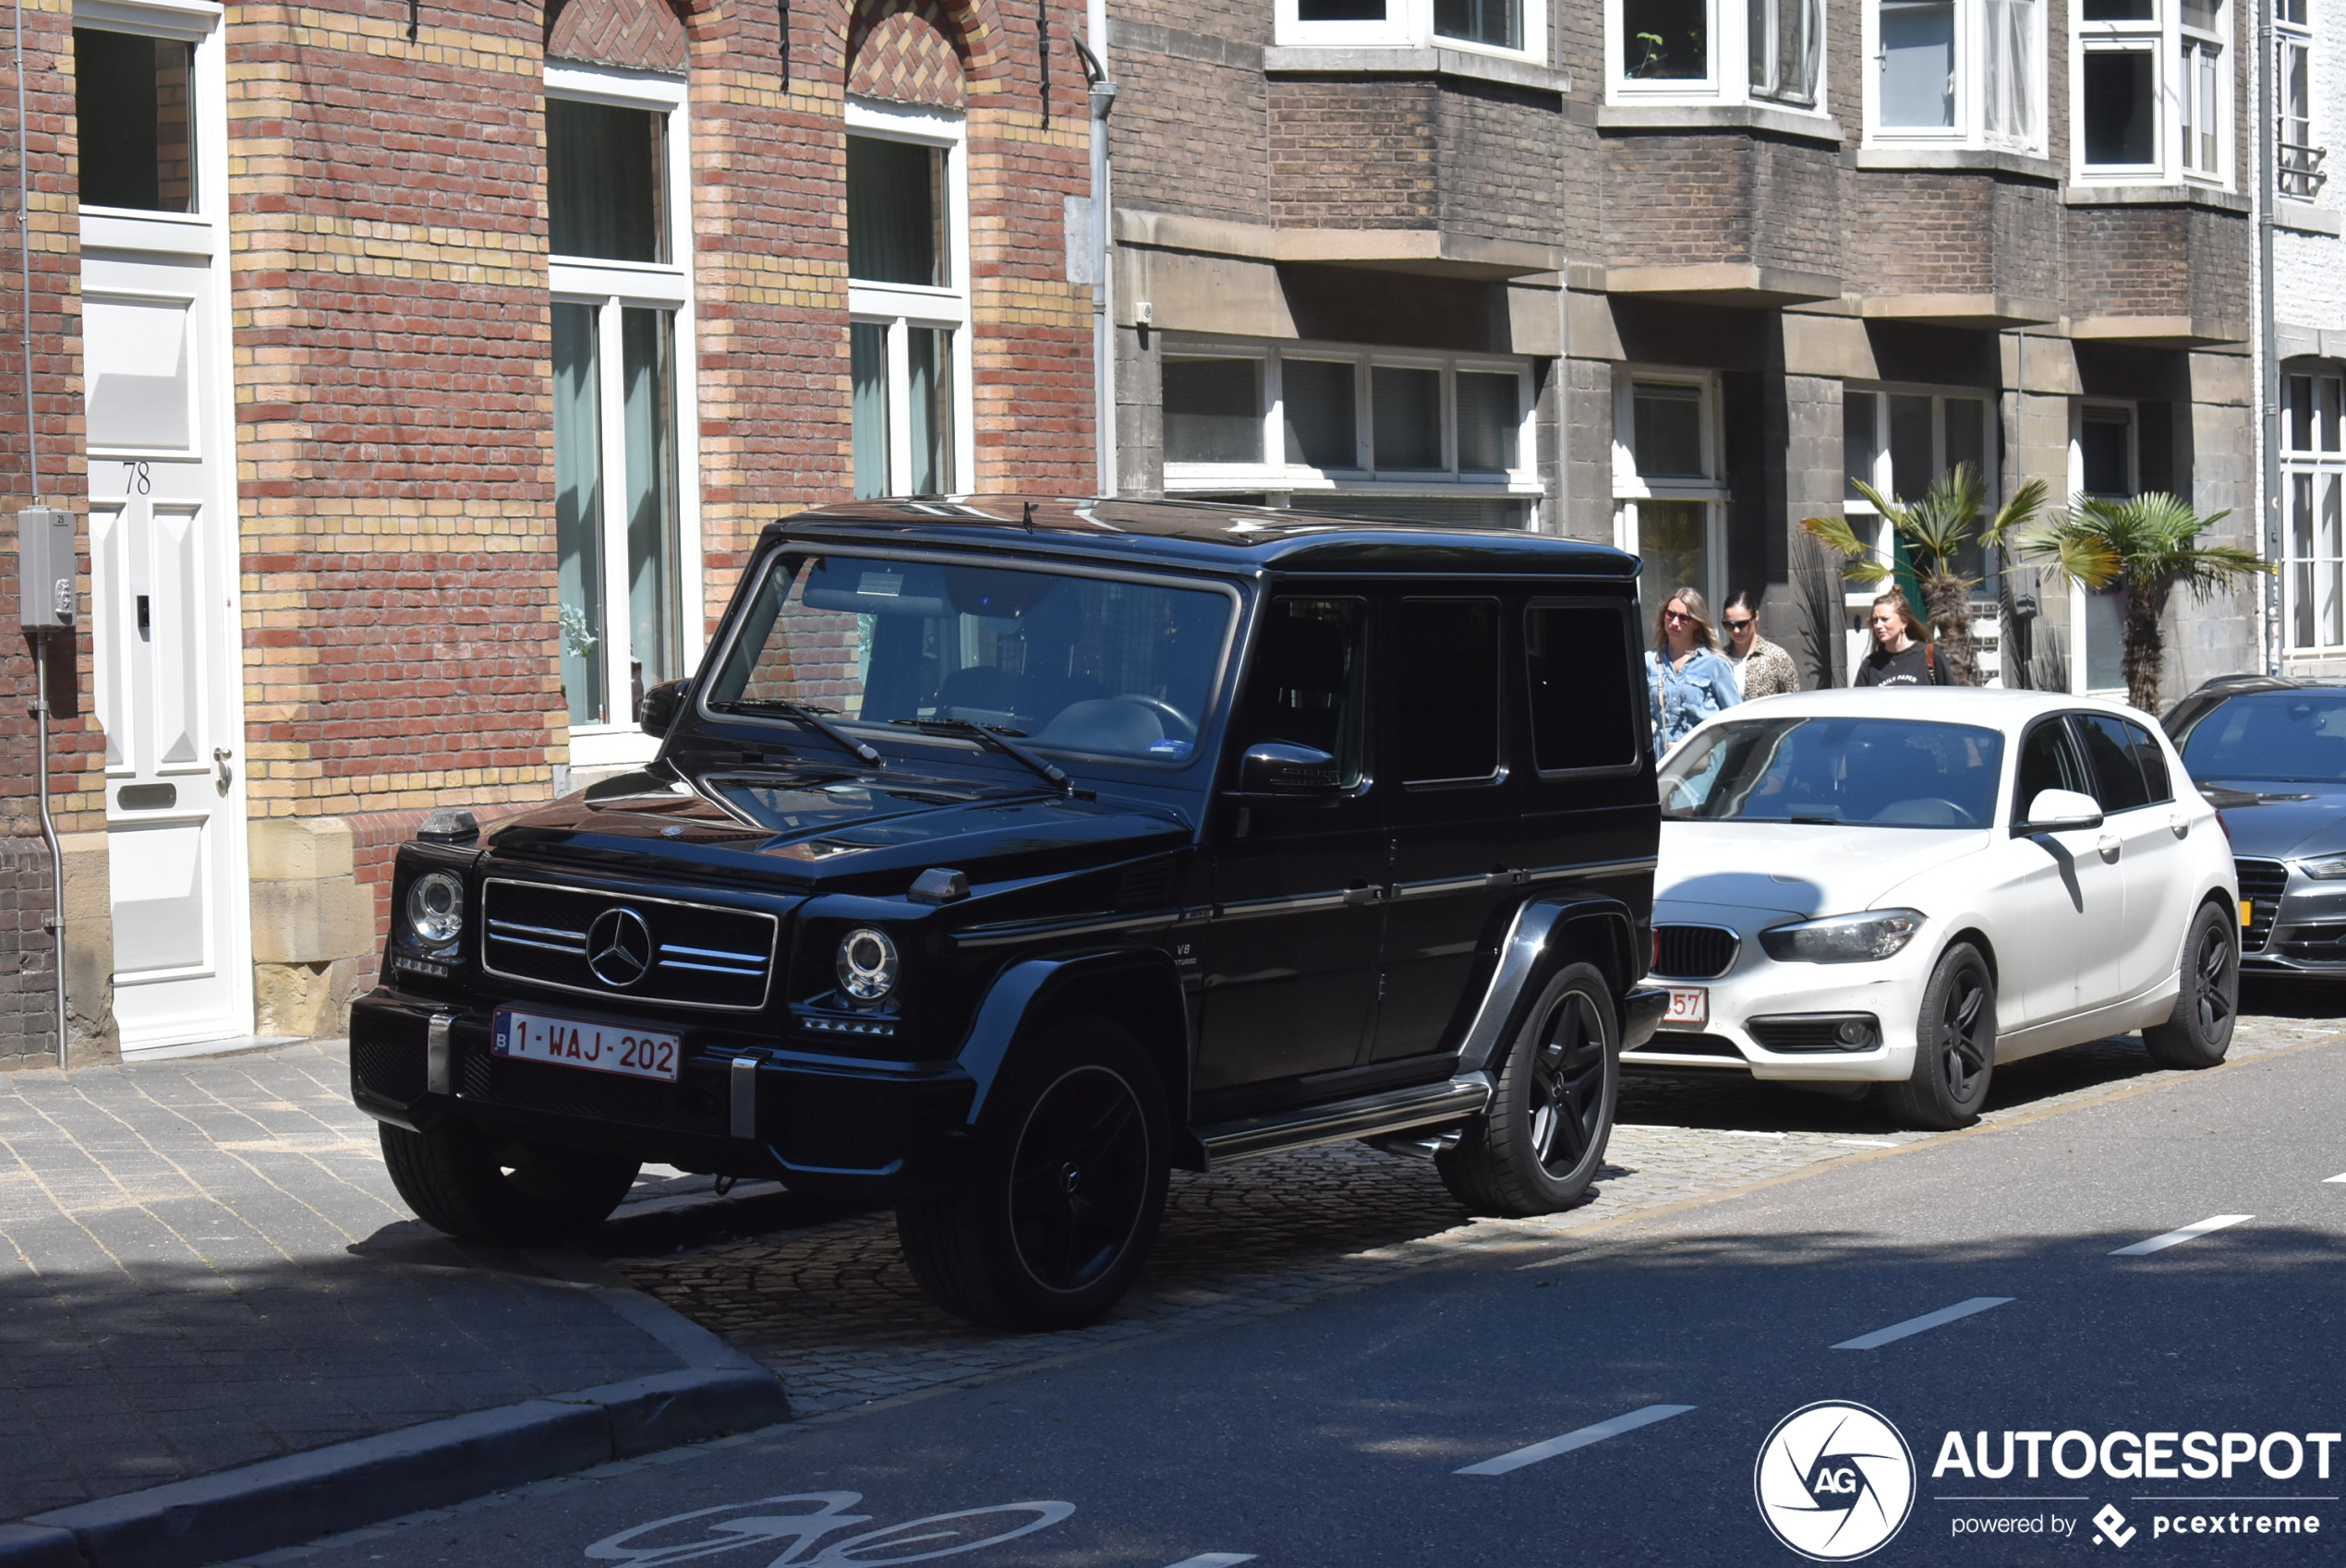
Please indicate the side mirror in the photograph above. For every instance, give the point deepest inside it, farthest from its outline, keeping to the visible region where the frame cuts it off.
(2054, 810)
(656, 713)
(1282, 768)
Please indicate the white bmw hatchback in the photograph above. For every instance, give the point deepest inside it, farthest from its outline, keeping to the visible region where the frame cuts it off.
(1908, 887)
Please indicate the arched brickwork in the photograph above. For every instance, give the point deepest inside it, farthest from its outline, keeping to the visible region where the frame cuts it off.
(906, 51)
(644, 35)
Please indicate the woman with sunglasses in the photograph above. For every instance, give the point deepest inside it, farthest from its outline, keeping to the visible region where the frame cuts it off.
(1762, 668)
(1686, 678)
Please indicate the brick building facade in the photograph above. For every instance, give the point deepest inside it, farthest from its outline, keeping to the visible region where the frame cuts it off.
(419, 374)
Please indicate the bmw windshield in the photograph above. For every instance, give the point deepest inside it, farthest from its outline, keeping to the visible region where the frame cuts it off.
(1090, 666)
(1881, 772)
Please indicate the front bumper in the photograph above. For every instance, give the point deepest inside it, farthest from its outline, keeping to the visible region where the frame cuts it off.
(1793, 999)
(809, 1121)
(2308, 932)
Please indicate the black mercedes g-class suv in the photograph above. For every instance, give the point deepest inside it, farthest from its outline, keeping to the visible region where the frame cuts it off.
(1006, 853)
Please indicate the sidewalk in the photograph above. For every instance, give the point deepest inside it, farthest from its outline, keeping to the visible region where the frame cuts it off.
(203, 1267)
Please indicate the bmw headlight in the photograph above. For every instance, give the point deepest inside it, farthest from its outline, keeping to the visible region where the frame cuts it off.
(2327, 868)
(436, 908)
(866, 964)
(1844, 939)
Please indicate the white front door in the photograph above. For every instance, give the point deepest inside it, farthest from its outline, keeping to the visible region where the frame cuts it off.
(164, 553)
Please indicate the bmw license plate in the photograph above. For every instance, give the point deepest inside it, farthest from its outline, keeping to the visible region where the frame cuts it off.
(1688, 1004)
(597, 1047)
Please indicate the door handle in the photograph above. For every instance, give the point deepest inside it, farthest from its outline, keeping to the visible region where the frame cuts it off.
(2109, 847)
(220, 755)
(1354, 898)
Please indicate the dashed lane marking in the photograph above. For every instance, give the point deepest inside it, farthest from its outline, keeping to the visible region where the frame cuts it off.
(1215, 1559)
(1570, 1440)
(2340, 1176)
(2174, 1237)
(1881, 1337)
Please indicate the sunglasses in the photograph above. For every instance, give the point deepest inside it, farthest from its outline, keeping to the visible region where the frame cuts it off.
(1737, 626)
(1676, 615)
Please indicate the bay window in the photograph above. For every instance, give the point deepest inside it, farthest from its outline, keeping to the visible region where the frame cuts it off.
(1717, 52)
(908, 299)
(627, 567)
(1669, 484)
(2313, 489)
(1902, 443)
(1956, 73)
(1516, 28)
(2152, 92)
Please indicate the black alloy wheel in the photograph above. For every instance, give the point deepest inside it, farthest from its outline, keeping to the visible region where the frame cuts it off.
(2199, 1031)
(1079, 1178)
(1955, 1045)
(502, 1190)
(1540, 1142)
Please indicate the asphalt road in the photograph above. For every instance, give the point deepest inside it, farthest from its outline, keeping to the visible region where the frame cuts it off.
(1335, 1433)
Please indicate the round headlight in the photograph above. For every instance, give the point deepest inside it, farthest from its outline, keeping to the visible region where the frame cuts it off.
(866, 964)
(436, 907)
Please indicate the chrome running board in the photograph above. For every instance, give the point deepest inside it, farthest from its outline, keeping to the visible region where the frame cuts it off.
(1396, 1110)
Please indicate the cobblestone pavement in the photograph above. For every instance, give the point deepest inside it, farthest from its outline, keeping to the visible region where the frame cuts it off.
(203, 1264)
(831, 1310)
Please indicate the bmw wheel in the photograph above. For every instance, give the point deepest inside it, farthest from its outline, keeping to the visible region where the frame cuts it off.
(2198, 1033)
(1538, 1145)
(1955, 1047)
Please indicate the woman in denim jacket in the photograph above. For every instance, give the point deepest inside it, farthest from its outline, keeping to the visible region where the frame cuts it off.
(1687, 679)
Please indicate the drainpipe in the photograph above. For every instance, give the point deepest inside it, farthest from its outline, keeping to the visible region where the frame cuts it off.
(2267, 333)
(1103, 101)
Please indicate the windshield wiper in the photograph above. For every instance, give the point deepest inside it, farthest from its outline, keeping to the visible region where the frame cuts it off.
(812, 717)
(993, 737)
(1818, 821)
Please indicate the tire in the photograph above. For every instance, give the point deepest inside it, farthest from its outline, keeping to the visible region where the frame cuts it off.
(1536, 1147)
(482, 1189)
(1955, 1047)
(2198, 1033)
(1045, 1219)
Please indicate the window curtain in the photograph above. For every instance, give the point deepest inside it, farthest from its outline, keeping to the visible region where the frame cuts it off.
(603, 182)
(867, 349)
(929, 369)
(648, 373)
(895, 212)
(2011, 59)
(578, 510)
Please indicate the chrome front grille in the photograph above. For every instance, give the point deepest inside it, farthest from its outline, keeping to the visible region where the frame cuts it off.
(621, 948)
(2261, 883)
(1694, 952)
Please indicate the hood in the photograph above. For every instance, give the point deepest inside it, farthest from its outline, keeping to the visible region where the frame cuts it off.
(821, 828)
(1798, 870)
(2274, 820)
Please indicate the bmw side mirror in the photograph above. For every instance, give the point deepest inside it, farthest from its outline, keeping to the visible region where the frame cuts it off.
(1284, 768)
(2056, 810)
(656, 713)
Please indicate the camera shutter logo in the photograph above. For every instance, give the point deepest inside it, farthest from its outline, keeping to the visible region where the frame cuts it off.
(1834, 1481)
(618, 948)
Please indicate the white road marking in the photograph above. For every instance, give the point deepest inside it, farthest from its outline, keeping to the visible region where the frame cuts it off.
(1215, 1559)
(2189, 1233)
(1570, 1440)
(1881, 1337)
(2340, 1176)
(1867, 1142)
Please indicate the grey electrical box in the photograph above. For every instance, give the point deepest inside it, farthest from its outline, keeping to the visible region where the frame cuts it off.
(46, 568)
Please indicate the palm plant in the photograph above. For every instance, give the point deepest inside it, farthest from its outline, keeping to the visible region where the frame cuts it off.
(1937, 529)
(2148, 544)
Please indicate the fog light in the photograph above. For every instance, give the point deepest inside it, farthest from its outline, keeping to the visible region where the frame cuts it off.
(1853, 1031)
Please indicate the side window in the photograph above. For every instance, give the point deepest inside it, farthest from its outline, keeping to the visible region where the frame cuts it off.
(1309, 684)
(1449, 680)
(2153, 761)
(2113, 750)
(2049, 760)
(1585, 709)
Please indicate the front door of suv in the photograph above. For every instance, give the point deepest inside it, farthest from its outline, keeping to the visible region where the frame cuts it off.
(1291, 953)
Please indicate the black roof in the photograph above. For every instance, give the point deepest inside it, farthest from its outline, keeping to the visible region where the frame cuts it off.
(1210, 535)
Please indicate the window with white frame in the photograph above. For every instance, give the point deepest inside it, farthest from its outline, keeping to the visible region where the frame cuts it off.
(2299, 165)
(2152, 92)
(2313, 475)
(139, 153)
(1956, 73)
(1328, 428)
(625, 484)
(1669, 484)
(908, 297)
(1515, 28)
(1902, 443)
(2105, 461)
(1697, 52)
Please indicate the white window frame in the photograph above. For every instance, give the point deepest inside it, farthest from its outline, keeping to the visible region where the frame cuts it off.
(2294, 35)
(897, 308)
(1728, 79)
(2163, 37)
(1709, 489)
(1407, 24)
(611, 287)
(2079, 668)
(1871, 525)
(1275, 474)
(2318, 473)
(1970, 127)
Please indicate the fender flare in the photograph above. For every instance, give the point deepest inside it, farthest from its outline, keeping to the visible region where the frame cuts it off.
(1535, 939)
(1029, 986)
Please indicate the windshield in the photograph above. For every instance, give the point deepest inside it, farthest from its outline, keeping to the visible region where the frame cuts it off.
(1070, 664)
(2296, 737)
(1883, 772)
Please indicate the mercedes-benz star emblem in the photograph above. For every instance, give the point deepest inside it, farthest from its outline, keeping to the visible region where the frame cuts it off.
(619, 947)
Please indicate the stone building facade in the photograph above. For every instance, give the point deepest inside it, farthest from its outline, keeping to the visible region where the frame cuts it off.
(1732, 255)
(419, 372)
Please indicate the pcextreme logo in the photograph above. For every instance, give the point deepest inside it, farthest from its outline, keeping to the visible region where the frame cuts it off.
(1834, 1481)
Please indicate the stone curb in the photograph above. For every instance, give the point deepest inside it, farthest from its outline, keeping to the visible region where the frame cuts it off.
(286, 1502)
